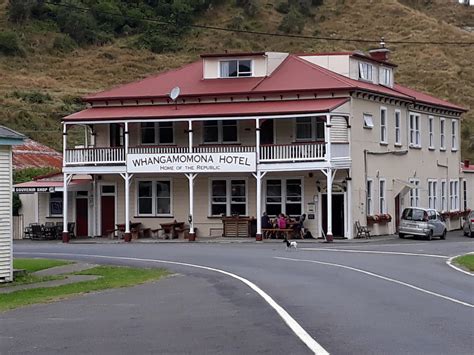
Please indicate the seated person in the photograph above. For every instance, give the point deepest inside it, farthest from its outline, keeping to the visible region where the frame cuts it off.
(266, 223)
(281, 221)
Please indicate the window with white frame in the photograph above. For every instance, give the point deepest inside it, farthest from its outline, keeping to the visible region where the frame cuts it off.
(443, 204)
(154, 198)
(368, 121)
(415, 130)
(370, 194)
(432, 194)
(228, 197)
(55, 204)
(385, 76)
(431, 131)
(383, 125)
(309, 129)
(454, 135)
(365, 71)
(382, 202)
(415, 193)
(235, 68)
(225, 131)
(398, 130)
(157, 132)
(454, 195)
(464, 194)
(284, 196)
(442, 127)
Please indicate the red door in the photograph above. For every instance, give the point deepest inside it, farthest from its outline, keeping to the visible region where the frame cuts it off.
(82, 220)
(107, 213)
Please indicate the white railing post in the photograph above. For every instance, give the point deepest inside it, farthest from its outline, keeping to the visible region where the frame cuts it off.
(190, 135)
(192, 234)
(329, 204)
(65, 235)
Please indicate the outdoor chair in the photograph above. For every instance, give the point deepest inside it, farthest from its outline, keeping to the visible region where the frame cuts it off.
(362, 231)
(37, 231)
(70, 229)
(27, 232)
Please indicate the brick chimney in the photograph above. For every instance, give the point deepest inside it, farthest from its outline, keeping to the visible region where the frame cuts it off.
(381, 53)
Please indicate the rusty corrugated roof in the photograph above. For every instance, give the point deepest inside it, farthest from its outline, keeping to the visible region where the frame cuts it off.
(32, 154)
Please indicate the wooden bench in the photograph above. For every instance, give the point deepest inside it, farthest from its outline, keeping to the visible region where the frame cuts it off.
(110, 233)
(154, 233)
(269, 232)
(362, 231)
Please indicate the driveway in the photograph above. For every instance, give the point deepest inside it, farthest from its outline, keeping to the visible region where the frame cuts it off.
(392, 297)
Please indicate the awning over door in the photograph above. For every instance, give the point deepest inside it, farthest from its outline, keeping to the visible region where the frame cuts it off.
(402, 187)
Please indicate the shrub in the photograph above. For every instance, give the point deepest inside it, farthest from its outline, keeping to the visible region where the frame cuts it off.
(10, 44)
(81, 27)
(157, 42)
(20, 10)
(283, 7)
(16, 204)
(64, 44)
(250, 6)
(34, 97)
(293, 22)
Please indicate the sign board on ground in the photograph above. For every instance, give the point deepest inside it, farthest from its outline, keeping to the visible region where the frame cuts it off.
(191, 163)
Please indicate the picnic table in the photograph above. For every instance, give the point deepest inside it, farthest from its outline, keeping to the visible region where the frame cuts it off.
(134, 229)
(171, 230)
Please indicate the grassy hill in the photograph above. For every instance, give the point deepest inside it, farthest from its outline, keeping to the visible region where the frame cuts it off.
(44, 84)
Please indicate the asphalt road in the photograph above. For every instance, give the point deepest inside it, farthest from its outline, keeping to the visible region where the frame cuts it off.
(394, 297)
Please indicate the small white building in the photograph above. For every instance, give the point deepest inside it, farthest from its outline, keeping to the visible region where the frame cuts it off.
(8, 138)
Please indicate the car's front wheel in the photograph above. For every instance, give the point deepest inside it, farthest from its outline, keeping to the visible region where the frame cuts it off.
(443, 236)
(430, 235)
(401, 235)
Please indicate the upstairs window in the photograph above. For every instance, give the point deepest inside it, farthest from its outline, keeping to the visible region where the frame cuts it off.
(157, 133)
(116, 135)
(365, 71)
(415, 130)
(235, 68)
(383, 125)
(442, 144)
(368, 121)
(385, 76)
(309, 129)
(220, 131)
(454, 135)
(398, 122)
(431, 131)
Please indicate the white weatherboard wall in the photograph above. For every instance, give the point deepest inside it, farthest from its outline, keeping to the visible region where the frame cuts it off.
(6, 270)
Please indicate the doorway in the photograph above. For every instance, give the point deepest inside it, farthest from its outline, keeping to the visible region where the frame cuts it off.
(107, 209)
(266, 132)
(82, 214)
(337, 214)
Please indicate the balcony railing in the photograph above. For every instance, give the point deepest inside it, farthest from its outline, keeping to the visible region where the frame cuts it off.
(94, 156)
(292, 152)
(273, 153)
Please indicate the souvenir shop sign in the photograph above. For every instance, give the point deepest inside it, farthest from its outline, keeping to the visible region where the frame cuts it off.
(191, 163)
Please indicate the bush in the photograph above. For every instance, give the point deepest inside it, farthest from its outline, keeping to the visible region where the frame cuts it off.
(16, 204)
(250, 6)
(64, 44)
(81, 27)
(20, 10)
(10, 44)
(293, 22)
(34, 97)
(283, 7)
(158, 42)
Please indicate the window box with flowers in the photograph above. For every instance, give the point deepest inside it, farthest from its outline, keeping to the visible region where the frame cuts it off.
(379, 218)
(456, 214)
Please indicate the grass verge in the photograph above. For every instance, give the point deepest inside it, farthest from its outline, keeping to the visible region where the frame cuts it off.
(466, 261)
(32, 265)
(110, 277)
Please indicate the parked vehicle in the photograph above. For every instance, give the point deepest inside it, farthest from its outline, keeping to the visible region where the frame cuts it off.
(468, 225)
(423, 222)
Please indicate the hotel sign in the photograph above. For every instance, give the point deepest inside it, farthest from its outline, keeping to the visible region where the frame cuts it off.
(191, 163)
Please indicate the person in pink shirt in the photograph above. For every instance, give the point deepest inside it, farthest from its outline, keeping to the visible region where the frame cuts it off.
(281, 221)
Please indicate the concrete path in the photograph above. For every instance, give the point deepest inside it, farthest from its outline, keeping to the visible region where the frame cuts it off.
(58, 270)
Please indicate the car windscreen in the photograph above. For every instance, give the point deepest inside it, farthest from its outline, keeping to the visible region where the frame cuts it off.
(413, 214)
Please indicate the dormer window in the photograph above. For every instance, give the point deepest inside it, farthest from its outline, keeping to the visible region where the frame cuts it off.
(235, 68)
(365, 71)
(386, 76)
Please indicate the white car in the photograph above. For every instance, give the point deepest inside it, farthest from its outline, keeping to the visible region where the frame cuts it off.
(468, 225)
(424, 222)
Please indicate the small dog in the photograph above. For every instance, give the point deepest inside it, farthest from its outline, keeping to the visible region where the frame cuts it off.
(291, 244)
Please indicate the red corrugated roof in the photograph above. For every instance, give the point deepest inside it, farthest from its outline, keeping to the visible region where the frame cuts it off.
(50, 183)
(294, 74)
(32, 154)
(427, 99)
(209, 110)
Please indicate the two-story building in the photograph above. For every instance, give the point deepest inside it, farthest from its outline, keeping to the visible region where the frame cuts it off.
(327, 134)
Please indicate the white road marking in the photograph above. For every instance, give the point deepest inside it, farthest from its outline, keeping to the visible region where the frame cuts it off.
(376, 252)
(302, 334)
(381, 277)
(450, 263)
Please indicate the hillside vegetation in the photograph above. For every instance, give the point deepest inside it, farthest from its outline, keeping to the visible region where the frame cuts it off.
(46, 67)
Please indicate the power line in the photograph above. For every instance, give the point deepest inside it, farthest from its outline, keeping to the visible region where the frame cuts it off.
(273, 34)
